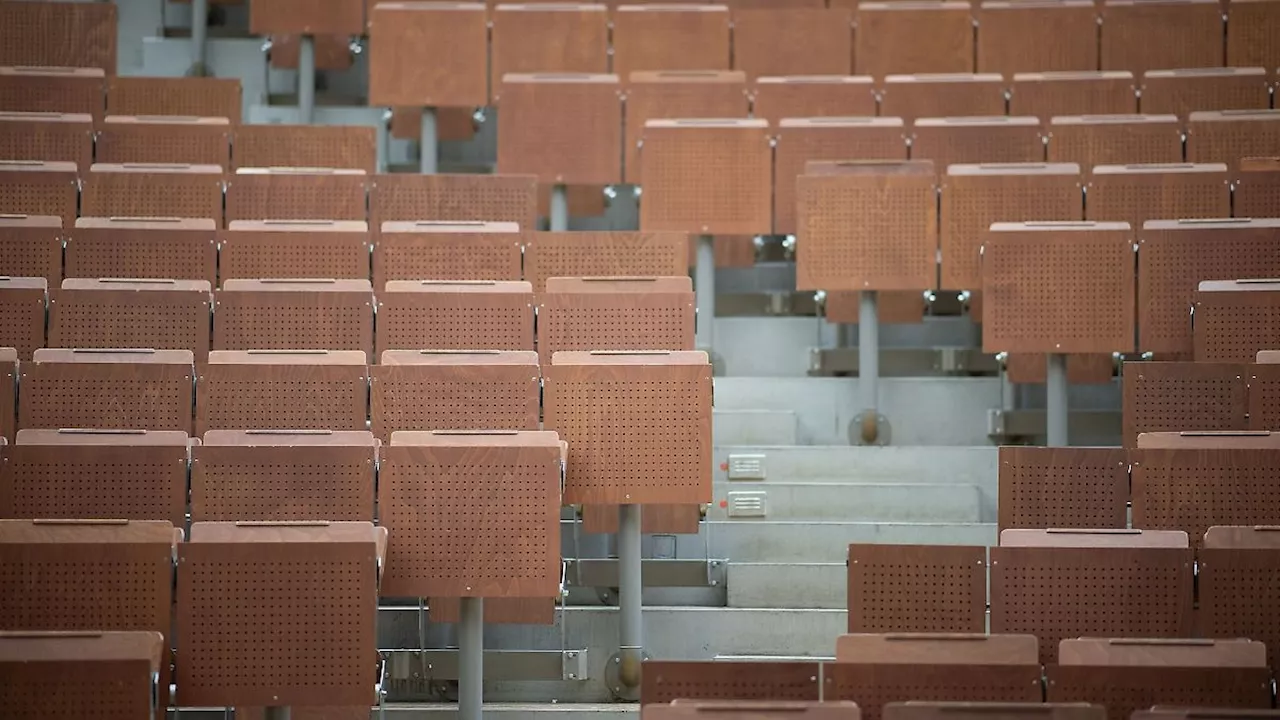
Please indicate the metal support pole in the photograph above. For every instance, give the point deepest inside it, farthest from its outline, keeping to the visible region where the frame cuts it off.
(1056, 400)
(471, 659)
(559, 209)
(869, 366)
(630, 619)
(429, 142)
(306, 79)
(705, 293)
(199, 33)
(276, 713)
(384, 142)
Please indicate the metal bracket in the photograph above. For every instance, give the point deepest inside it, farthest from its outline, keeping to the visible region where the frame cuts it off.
(613, 679)
(425, 666)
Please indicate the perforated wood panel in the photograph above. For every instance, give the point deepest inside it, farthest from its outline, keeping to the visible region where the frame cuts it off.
(431, 250)
(1067, 592)
(152, 139)
(194, 96)
(1058, 287)
(1114, 139)
(563, 128)
(603, 254)
(638, 425)
(1082, 369)
(454, 198)
(158, 247)
(131, 474)
(305, 146)
(1264, 395)
(801, 140)
(676, 95)
(104, 575)
(33, 187)
(583, 200)
(47, 136)
(917, 36)
(1138, 35)
(975, 196)
(428, 54)
(915, 710)
(917, 588)
(266, 390)
(117, 313)
(441, 315)
(52, 89)
(451, 124)
(1255, 24)
(1047, 95)
(1234, 320)
(1137, 193)
(22, 312)
(812, 96)
(1175, 255)
(59, 34)
(1182, 92)
(441, 390)
(670, 37)
(333, 52)
(1171, 396)
(643, 313)
(472, 513)
(1236, 599)
(948, 141)
(873, 686)
(296, 314)
(110, 389)
(253, 595)
(1226, 136)
(1257, 188)
(654, 519)
(307, 17)
(296, 194)
(69, 676)
(707, 176)
(152, 190)
(866, 226)
(1084, 487)
(547, 38)
(31, 246)
(793, 41)
(911, 97)
(755, 709)
(666, 680)
(8, 386)
(903, 307)
(239, 475)
(295, 249)
(1051, 36)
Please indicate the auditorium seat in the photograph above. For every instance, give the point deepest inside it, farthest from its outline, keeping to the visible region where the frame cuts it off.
(455, 315)
(297, 194)
(22, 313)
(912, 97)
(31, 246)
(77, 90)
(47, 136)
(33, 187)
(145, 247)
(162, 314)
(1182, 92)
(1048, 95)
(189, 96)
(152, 190)
(132, 139)
(792, 41)
(1174, 396)
(298, 249)
(547, 38)
(917, 36)
(1092, 140)
(677, 95)
(282, 390)
(1042, 487)
(295, 314)
(443, 250)
(670, 37)
(1052, 36)
(952, 140)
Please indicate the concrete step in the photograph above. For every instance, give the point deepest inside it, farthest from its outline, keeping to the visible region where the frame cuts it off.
(788, 585)
(863, 502)
(754, 427)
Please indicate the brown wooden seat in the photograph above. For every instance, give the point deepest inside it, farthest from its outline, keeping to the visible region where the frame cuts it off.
(76, 90)
(1048, 95)
(107, 389)
(1141, 35)
(792, 41)
(951, 140)
(135, 190)
(31, 246)
(189, 140)
(130, 313)
(918, 36)
(1227, 136)
(547, 38)
(1181, 92)
(670, 37)
(812, 96)
(35, 187)
(917, 588)
(1086, 487)
(455, 315)
(678, 95)
(297, 194)
(664, 681)
(192, 96)
(603, 254)
(109, 675)
(1092, 140)
(445, 250)
(1235, 319)
(760, 709)
(428, 54)
(282, 390)
(8, 390)
(22, 313)
(294, 249)
(1171, 396)
(1044, 36)
(1255, 24)
(66, 35)
(912, 97)
(142, 247)
(565, 129)
(296, 314)
(1138, 193)
(1235, 599)
(349, 147)
(453, 198)
(915, 710)
(308, 17)
(51, 136)
(1257, 188)
(615, 313)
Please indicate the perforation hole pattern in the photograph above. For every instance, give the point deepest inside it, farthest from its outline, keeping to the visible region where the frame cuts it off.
(142, 194)
(917, 589)
(294, 197)
(942, 99)
(1137, 198)
(309, 146)
(664, 681)
(288, 397)
(458, 198)
(1183, 95)
(797, 146)
(874, 686)
(1238, 596)
(1055, 593)
(666, 100)
(47, 142)
(658, 321)
(278, 484)
(129, 319)
(710, 181)
(1167, 397)
(8, 376)
(22, 320)
(461, 321)
(1162, 36)
(73, 35)
(194, 97)
(1192, 490)
(1063, 487)
(1226, 141)
(1234, 326)
(1257, 194)
(31, 252)
(40, 194)
(1037, 39)
(1124, 691)
(432, 256)
(775, 101)
(1001, 144)
(87, 482)
(116, 396)
(1113, 144)
(1050, 98)
(293, 321)
(248, 255)
(153, 143)
(603, 254)
(41, 93)
(76, 690)
(1264, 397)
(454, 397)
(562, 132)
(102, 253)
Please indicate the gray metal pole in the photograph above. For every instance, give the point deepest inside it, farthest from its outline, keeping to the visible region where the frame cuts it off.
(630, 619)
(559, 209)
(869, 352)
(471, 659)
(1056, 400)
(306, 79)
(199, 33)
(276, 713)
(384, 142)
(705, 293)
(429, 140)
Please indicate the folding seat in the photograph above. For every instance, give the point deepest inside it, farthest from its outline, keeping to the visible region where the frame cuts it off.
(1253, 28)
(282, 390)
(1141, 35)
(844, 710)
(712, 177)
(1084, 487)
(916, 36)
(952, 140)
(916, 710)
(149, 247)
(33, 187)
(917, 588)
(902, 307)
(1048, 95)
(80, 672)
(1082, 368)
(31, 246)
(1044, 36)
(428, 55)
(801, 140)
(1092, 140)
(1233, 320)
(152, 190)
(73, 90)
(350, 147)
(665, 681)
(455, 315)
(8, 387)
(131, 313)
(332, 52)
(189, 96)
(87, 474)
(670, 37)
(126, 139)
(1171, 396)
(295, 249)
(283, 476)
(547, 38)
(1228, 136)
(59, 34)
(1233, 603)
(616, 314)
(453, 198)
(812, 96)
(297, 194)
(294, 314)
(22, 312)
(912, 97)
(58, 137)
(566, 129)
(1057, 584)
(603, 254)
(306, 17)
(133, 389)
(1137, 193)
(792, 41)
(677, 95)
(1182, 92)
(457, 124)
(441, 250)
(1257, 188)
(1175, 255)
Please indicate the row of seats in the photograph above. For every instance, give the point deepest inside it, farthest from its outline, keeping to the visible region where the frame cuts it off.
(1211, 396)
